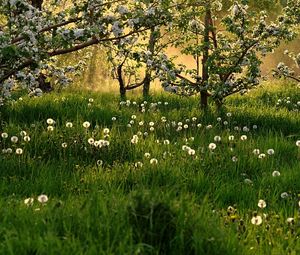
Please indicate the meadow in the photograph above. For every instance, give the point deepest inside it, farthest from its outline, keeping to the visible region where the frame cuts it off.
(83, 173)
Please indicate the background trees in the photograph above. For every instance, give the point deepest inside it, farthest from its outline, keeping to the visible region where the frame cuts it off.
(226, 40)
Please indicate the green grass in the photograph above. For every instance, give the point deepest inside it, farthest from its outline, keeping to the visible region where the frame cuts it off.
(102, 202)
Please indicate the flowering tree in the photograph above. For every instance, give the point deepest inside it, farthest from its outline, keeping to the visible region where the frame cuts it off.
(283, 70)
(31, 33)
(228, 56)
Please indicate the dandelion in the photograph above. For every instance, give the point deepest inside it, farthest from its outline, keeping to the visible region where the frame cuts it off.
(191, 152)
(199, 125)
(99, 162)
(212, 146)
(270, 151)
(138, 164)
(50, 128)
(219, 119)
(276, 173)
(256, 152)
(23, 133)
(243, 137)
(133, 117)
(236, 128)
(91, 100)
(86, 124)
(64, 145)
(91, 141)
(254, 127)
(69, 124)
(106, 131)
(26, 138)
(43, 198)
(129, 125)
(209, 127)
(147, 155)
(217, 138)
(290, 220)
(9, 150)
(185, 147)
(135, 139)
(284, 195)
(262, 203)
(185, 126)
(146, 134)
(163, 119)
(19, 151)
(256, 220)
(153, 161)
(261, 156)
(228, 114)
(225, 123)
(234, 158)
(131, 122)
(194, 119)
(4, 135)
(248, 181)
(298, 143)
(28, 201)
(151, 129)
(246, 129)
(14, 139)
(231, 138)
(113, 118)
(151, 124)
(166, 142)
(50, 121)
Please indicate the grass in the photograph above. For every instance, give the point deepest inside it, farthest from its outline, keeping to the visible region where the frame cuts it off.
(112, 200)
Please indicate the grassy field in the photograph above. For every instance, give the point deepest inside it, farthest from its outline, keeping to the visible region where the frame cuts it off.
(155, 177)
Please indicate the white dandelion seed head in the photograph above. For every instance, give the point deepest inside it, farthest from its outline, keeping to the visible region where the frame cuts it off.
(86, 124)
(256, 220)
(262, 203)
(43, 198)
(50, 121)
(276, 173)
(212, 146)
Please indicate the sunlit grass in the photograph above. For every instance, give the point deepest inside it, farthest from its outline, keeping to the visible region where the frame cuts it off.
(165, 192)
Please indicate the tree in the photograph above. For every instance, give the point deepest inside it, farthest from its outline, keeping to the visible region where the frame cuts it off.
(228, 56)
(32, 34)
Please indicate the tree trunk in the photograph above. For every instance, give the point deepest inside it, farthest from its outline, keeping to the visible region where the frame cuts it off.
(37, 4)
(121, 83)
(205, 75)
(151, 48)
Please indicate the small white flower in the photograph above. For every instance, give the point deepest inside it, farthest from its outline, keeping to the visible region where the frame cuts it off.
(106, 131)
(147, 155)
(284, 195)
(248, 181)
(86, 124)
(42, 198)
(270, 151)
(256, 151)
(138, 164)
(23, 133)
(191, 152)
(151, 129)
(9, 150)
(217, 138)
(243, 137)
(290, 220)
(64, 145)
(228, 114)
(50, 128)
(113, 118)
(19, 151)
(50, 121)
(91, 141)
(28, 201)
(166, 142)
(262, 203)
(261, 156)
(153, 161)
(256, 220)
(231, 138)
(275, 173)
(234, 158)
(212, 146)
(4, 135)
(14, 139)
(298, 143)
(69, 124)
(26, 138)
